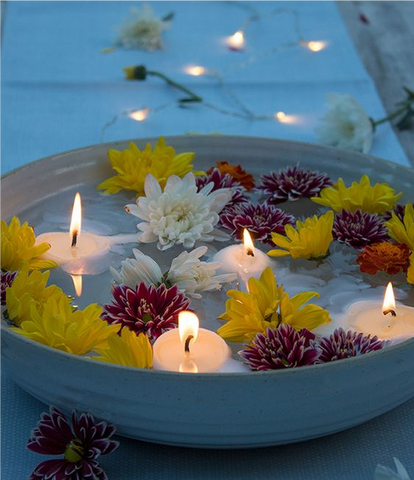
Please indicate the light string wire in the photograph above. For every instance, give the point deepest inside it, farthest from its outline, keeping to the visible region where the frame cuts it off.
(241, 110)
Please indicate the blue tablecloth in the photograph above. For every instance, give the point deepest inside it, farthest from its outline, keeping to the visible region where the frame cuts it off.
(59, 90)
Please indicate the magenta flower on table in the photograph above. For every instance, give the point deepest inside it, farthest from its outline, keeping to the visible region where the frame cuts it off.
(220, 180)
(146, 308)
(342, 344)
(398, 210)
(279, 348)
(291, 184)
(359, 229)
(260, 220)
(80, 445)
(6, 281)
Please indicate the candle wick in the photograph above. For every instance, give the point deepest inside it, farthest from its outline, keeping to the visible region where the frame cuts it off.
(74, 238)
(390, 310)
(250, 252)
(187, 343)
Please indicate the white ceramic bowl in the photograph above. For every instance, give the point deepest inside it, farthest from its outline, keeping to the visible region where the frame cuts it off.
(210, 410)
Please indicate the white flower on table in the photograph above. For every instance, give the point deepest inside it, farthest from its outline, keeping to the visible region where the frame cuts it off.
(345, 125)
(143, 31)
(180, 214)
(187, 271)
(384, 473)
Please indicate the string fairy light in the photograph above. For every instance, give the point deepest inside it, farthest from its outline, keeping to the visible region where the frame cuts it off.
(236, 42)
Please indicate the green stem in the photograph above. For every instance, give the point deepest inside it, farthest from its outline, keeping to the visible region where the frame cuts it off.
(393, 115)
(176, 85)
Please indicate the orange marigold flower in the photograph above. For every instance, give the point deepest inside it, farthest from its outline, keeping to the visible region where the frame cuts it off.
(237, 172)
(385, 257)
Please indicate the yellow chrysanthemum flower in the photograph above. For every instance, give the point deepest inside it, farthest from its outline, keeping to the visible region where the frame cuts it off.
(29, 290)
(310, 240)
(18, 247)
(267, 305)
(133, 165)
(373, 199)
(59, 326)
(403, 232)
(129, 349)
(410, 271)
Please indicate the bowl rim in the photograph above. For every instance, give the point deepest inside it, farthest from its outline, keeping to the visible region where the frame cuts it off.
(335, 365)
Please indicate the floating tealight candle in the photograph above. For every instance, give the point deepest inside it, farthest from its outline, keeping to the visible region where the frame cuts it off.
(190, 349)
(244, 259)
(236, 41)
(66, 248)
(392, 321)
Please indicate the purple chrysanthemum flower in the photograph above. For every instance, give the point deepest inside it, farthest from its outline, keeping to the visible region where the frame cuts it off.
(281, 347)
(260, 220)
(343, 344)
(221, 180)
(359, 229)
(146, 309)
(6, 281)
(292, 183)
(81, 445)
(399, 210)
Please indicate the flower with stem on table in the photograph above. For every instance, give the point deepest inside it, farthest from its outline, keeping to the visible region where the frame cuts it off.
(72, 331)
(187, 271)
(179, 214)
(280, 348)
(260, 220)
(345, 124)
(363, 196)
(29, 291)
(385, 473)
(145, 309)
(133, 165)
(240, 175)
(266, 305)
(384, 257)
(18, 247)
(292, 183)
(403, 230)
(342, 344)
(7, 279)
(220, 180)
(80, 445)
(311, 239)
(358, 229)
(143, 30)
(128, 349)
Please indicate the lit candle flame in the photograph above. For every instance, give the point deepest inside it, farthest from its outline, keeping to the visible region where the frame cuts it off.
(389, 301)
(195, 70)
(139, 115)
(315, 46)
(280, 116)
(236, 41)
(188, 324)
(77, 283)
(76, 220)
(248, 243)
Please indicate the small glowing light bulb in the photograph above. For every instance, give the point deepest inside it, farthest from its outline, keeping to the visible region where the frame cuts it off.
(139, 115)
(316, 46)
(195, 70)
(280, 116)
(236, 41)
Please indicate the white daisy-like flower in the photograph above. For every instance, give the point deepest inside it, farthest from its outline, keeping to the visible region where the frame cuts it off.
(345, 125)
(180, 214)
(143, 31)
(187, 271)
(384, 473)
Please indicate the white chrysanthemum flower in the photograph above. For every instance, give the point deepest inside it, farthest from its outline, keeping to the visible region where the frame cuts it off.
(384, 473)
(187, 272)
(180, 214)
(345, 125)
(143, 31)
(141, 269)
(192, 275)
